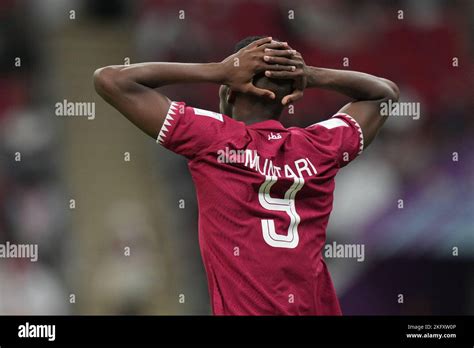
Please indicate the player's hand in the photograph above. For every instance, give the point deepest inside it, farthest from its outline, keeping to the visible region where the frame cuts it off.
(299, 75)
(240, 68)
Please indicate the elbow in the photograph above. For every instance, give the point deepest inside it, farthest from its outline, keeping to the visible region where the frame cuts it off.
(106, 80)
(393, 92)
(103, 79)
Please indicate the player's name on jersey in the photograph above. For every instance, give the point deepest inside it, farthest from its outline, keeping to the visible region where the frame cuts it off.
(250, 158)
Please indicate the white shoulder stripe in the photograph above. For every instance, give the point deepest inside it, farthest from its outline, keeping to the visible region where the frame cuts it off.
(215, 115)
(332, 123)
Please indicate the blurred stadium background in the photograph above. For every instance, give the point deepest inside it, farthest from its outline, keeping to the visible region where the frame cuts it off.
(147, 204)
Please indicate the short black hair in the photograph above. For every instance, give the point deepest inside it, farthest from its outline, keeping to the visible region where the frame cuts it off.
(281, 87)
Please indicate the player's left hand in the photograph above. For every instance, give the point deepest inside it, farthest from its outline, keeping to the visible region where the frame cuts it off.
(240, 68)
(298, 75)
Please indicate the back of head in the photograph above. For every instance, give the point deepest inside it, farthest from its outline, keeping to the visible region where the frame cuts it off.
(281, 87)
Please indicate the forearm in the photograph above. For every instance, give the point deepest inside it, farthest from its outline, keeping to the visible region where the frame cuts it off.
(356, 85)
(154, 75)
(132, 89)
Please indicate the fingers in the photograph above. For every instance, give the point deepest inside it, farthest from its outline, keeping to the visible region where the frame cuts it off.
(283, 74)
(250, 88)
(279, 53)
(277, 67)
(299, 86)
(260, 42)
(275, 45)
(282, 60)
(291, 98)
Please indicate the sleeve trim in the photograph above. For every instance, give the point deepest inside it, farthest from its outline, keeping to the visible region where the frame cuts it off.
(168, 122)
(356, 124)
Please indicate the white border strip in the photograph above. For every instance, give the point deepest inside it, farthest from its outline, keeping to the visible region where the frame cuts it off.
(169, 117)
(361, 135)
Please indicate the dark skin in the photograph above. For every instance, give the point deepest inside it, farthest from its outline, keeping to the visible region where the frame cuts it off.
(133, 89)
(368, 91)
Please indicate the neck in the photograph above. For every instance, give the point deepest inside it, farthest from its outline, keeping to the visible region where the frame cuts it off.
(252, 113)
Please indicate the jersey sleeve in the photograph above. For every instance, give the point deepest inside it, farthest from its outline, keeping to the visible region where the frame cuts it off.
(340, 136)
(190, 131)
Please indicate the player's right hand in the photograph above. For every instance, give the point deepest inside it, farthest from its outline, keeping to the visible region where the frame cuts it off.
(299, 75)
(240, 68)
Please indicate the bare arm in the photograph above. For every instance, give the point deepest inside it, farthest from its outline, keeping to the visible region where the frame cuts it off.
(368, 91)
(132, 89)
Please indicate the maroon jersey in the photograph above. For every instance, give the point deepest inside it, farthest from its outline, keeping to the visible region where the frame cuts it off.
(265, 193)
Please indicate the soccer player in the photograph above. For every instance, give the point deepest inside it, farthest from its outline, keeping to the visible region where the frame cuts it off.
(264, 191)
